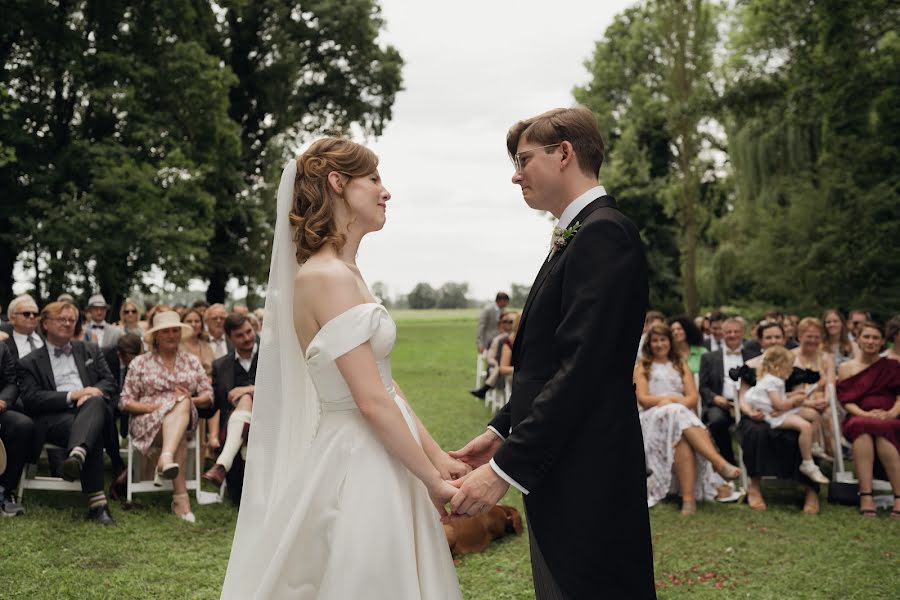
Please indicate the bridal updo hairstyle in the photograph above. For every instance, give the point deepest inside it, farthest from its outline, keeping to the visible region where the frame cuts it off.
(312, 210)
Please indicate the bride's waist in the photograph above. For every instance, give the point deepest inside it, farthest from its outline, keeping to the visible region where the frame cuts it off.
(347, 402)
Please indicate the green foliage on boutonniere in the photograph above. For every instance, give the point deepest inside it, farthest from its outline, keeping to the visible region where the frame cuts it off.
(562, 236)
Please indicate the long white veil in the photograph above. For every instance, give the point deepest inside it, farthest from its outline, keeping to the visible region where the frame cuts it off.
(285, 413)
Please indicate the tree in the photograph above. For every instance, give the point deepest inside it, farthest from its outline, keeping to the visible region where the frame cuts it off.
(650, 89)
(380, 291)
(814, 138)
(453, 295)
(518, 294)
(120, 130)
(422, 296)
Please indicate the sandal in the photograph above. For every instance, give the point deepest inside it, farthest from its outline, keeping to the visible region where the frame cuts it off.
(188, 516)
(755, 500)
(895, 514)
(869, 513)
(168, 470)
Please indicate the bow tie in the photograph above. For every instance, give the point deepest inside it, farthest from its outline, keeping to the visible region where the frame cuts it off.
(67, 350)
(98, 326)
(733, 352)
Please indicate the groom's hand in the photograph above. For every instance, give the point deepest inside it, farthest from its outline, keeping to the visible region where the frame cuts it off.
(480, 450)
(478, 492)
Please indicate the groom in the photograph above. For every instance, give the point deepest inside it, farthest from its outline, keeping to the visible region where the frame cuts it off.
(570, 438)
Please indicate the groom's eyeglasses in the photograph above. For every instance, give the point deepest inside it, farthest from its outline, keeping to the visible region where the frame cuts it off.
(517, 158)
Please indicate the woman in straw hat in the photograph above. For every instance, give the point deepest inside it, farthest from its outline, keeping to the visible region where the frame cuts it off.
(162, 392)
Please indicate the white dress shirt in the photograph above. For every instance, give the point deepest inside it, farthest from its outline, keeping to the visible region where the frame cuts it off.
(731, 359)
(22, 344)
(246, 363)
(65, 372)
(219, 346)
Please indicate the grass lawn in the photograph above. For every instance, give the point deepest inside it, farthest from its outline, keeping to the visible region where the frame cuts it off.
(723, 551)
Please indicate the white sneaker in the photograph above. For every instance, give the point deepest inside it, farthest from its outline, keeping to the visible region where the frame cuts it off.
(813, 472)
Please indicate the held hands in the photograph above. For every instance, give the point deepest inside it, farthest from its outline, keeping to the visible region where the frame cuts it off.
(479, 491)
(441, 492)
(449, 467)
(480, 450)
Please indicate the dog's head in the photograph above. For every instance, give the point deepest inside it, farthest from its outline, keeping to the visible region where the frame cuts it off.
(513, 520)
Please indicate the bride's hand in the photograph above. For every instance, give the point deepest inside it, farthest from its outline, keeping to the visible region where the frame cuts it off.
(449, 467)
(441, 492)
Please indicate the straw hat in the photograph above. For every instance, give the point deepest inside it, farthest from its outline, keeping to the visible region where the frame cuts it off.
(166, 320)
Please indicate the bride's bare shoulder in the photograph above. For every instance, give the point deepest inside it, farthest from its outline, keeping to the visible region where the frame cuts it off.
(326, 282)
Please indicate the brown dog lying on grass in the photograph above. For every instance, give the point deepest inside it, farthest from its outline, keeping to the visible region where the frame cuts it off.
(473, 534)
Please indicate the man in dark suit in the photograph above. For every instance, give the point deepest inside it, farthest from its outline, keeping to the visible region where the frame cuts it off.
(234, 378)
(718, 391)
(23, 335)
(66, 387)
(16, 433)
(570, 430)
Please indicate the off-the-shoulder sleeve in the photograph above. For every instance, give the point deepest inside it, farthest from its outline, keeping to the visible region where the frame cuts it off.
(348, 330)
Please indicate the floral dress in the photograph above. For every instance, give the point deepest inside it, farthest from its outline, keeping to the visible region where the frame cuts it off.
(150, 381)
(662, 427)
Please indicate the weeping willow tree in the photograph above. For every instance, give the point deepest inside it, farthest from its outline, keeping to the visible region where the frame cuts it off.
(813, 115)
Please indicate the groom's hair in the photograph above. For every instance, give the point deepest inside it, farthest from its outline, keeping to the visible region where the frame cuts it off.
(577, 125)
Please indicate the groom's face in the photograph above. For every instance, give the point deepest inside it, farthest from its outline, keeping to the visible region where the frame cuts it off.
(537, 175)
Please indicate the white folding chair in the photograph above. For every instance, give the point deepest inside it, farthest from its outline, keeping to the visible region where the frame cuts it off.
(480, 369)
(136, 486)
(30, 480)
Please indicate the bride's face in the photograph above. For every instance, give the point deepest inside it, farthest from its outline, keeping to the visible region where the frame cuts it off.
(367, 198)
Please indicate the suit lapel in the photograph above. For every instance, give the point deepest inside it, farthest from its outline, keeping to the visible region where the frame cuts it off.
(601, 202)
(78, 353)
(42, 357)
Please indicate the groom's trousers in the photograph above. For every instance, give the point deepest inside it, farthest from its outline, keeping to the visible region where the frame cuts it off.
(545, 586)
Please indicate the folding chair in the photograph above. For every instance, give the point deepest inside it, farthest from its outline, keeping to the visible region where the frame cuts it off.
(135, 485)
(30, 480)
(480, 369)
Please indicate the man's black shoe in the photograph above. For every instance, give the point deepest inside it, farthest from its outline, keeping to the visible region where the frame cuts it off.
(101, 515)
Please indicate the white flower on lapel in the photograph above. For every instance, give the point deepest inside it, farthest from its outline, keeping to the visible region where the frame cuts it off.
(562, 236)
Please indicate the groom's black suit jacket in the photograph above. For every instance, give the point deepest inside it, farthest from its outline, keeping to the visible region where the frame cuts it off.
(575, 442)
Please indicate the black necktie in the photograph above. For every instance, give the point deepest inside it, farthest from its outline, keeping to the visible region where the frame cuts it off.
(31, 343)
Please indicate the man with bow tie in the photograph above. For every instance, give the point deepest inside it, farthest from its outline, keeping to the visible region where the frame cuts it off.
(717, 390)
(66, 388)
(97, 330)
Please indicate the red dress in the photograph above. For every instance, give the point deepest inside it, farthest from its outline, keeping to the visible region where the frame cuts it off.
(873, 388)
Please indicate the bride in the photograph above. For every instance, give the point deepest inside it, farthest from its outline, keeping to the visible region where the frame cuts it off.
(344, 487)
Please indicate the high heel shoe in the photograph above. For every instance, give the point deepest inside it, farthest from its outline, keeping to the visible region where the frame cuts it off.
(168, 470)
(728, 471)
(870, 513)
(188, 516)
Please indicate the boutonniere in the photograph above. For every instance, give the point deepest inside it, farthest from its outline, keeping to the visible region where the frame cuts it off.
(562, 236)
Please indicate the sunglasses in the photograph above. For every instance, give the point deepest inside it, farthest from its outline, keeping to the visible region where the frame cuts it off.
(129, 311)
(28, 314)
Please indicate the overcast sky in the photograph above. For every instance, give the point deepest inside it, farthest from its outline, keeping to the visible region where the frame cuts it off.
(471, 70)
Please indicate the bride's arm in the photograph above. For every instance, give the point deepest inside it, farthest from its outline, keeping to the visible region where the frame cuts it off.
(449, 467)
(337, 292)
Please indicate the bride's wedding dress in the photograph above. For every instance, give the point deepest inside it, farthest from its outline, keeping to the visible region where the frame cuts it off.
(360, 525)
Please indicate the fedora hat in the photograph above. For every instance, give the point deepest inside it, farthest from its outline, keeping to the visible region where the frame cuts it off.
(166, 320)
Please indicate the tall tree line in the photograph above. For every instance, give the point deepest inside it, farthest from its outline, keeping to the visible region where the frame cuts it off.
(756, 144)
(146, 135)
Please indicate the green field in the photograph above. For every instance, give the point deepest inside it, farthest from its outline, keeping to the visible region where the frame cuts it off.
(723, 551)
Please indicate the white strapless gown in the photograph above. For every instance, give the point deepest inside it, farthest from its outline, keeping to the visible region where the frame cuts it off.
(361, 526)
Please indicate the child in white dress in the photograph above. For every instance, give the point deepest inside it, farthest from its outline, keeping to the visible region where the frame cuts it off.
(769, 397)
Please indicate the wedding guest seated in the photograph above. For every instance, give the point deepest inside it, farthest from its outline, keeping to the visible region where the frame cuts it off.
(717, 390)
(234, 378)
(16, 433)
(810, 356)
(790, 333)
(893, 337)
(65, 387)
(23, 317)
(97, 330)
(652, 316)
(260, 315)
(129, 318)
(768, 451)
(837, 337)
(667, 397)
(869, 388)
(193, 341)
(505, 327)
(162, 393)
(487, 321)
(855, 320)
(118, 358)
(200, 306)
(240, 309)
(688, 341)
(713, 341)
(214, 319)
